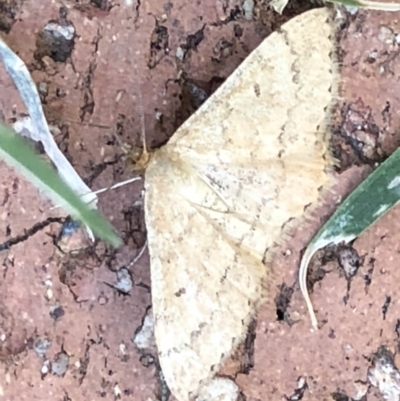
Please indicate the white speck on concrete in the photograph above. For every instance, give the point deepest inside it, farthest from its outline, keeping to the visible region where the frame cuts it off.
(49, 294)
(122, 349)
(117, 391)
(45, 368)
(179, 54)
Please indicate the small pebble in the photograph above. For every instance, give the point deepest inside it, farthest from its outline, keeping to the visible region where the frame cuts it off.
(386, 35)
(349, 261)
(102, 300)
(124, 283)
(56, 312)
(41, 346)
(60, 364)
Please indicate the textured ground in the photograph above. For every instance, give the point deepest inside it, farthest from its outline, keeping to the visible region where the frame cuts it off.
(69, 310)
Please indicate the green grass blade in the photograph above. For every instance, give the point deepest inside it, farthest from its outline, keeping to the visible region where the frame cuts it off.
(370, 5)
(376, 195)
(17, 153)
(279, 5)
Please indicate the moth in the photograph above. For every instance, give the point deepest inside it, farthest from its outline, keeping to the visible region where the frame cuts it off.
(224, 190)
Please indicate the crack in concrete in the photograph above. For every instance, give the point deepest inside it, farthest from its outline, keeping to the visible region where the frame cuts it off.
(282, 303)
(87, 85)
(385, 306)
(30, 232)
(97, 169)
(7, 262)
(85, 360)
(368, 277)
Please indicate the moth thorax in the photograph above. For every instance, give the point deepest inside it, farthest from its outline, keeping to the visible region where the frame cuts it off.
(139, 157)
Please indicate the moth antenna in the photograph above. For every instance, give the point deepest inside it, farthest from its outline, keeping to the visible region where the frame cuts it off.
(120, 143)
(138, 256)
(99, 191)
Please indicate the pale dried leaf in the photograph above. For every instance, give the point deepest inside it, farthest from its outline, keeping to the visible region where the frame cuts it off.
(35, 127)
